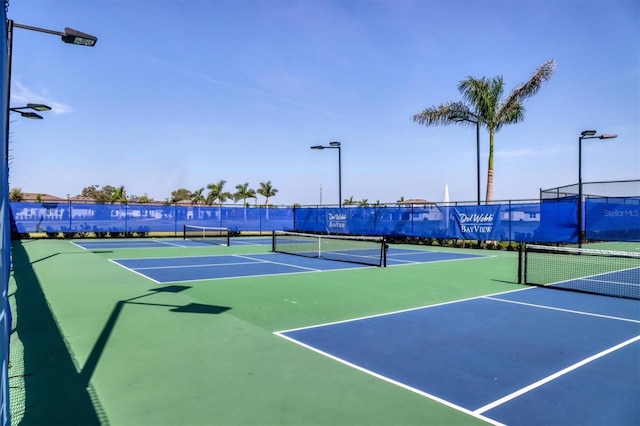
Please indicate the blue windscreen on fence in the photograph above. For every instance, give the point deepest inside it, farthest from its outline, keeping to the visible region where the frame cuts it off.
(140, 218)
(5, 236)
(550, 221)
(612, 219)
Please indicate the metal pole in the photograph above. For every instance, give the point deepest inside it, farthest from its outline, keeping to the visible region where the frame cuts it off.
(9, 60)
(478, 158)
(580, 191)
(339, 176)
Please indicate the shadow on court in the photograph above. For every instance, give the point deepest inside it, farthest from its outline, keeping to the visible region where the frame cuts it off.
(54, 391)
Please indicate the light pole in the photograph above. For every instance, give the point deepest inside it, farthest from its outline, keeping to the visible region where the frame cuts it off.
(335, 145)
(587, 134)
(69, 35)
(69, 209)
(459, 118)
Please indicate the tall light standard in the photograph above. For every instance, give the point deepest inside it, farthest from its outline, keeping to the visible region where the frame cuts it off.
(459, 118)
(69, 35)
(335, 145)
(587, 134)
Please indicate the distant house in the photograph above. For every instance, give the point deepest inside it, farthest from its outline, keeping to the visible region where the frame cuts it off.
(415, 202)
(420, 209)
(32, 197)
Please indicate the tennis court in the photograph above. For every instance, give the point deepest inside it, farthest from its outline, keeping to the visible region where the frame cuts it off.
(237, 334)
(198, 268)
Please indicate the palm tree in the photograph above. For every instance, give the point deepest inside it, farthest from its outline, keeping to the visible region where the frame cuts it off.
(483, 103)
(242, 193)
(348, 201)
(400, 200)
(119, 195)
(197, 197)
(16, 194)
(216, 193)
(266, 190)
(363, 203)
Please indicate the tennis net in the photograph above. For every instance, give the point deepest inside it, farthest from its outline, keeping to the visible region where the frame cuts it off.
(353, 249)
(207, 234)
(604, 272)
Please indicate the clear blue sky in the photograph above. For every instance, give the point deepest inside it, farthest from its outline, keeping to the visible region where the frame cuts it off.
(180, 94)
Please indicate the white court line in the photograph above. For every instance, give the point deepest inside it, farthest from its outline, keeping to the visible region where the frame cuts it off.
(277, 263)
(554, 376)
(401, 311)
(170, 244)
(134, 271)
(413, 262)
(196, 266)
(562, 309)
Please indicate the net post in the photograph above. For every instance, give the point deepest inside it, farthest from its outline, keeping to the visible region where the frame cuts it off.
(273, 241)
(228, 237)
(385, 248)
(520, 263)
(184, 232)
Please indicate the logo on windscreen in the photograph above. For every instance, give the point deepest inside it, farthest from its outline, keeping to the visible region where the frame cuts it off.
(476, 222)
(338, 220)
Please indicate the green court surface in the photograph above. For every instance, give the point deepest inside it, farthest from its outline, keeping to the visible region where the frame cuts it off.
(95, 343)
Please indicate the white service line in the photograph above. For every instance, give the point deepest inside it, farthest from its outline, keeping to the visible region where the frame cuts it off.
(554, 376)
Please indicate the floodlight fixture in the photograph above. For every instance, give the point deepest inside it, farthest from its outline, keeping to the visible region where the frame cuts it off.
(608, 136)
(69, 35)
(30, 114)
(39, 107)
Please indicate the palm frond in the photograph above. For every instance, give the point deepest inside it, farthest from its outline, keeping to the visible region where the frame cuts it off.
(526, 90)
(442, 114)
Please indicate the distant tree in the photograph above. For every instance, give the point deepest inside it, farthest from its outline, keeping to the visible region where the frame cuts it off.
(16, 195)
(485, 105)
(196, 196)
(217, 194)
(363, 203)
(39, 198)
(118, 195)
(90, 192)
(267, 191)
(99, 195)
(400, 200)
(180, 195)
(140, 199)
(349, 201)
(243, 192)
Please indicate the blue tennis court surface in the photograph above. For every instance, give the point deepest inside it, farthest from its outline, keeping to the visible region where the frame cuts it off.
(529, 357)
(196, 268)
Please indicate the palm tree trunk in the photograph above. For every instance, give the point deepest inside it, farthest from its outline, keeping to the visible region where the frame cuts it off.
(489, 196)
(266, 206)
